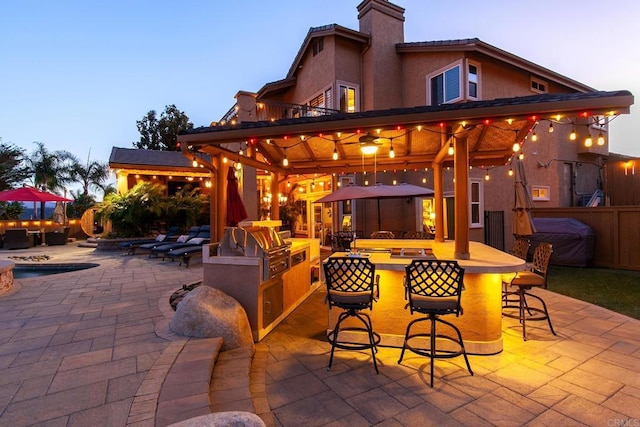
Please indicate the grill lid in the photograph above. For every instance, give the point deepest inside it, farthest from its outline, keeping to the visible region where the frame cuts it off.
(251, 241)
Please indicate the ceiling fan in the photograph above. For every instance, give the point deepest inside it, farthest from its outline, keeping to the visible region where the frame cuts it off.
(369, 144)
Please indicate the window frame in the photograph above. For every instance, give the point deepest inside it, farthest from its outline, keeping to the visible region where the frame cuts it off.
(442, 71)
(471, 63)
(356, 95)
(480, 202)
(537, 81)
(540, 193)
(327, 90)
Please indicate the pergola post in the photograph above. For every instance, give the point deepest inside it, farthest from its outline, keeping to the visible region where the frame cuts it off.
(461, 188)
(221, 189)
(438, 201)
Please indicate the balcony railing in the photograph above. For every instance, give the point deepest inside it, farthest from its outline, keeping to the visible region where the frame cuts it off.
(269, 110)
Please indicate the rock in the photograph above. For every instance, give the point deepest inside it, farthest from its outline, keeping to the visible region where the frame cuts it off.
(223, 419)
(206, 312)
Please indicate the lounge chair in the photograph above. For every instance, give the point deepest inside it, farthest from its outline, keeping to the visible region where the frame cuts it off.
(203, 236)
(131, 245)
(181, 238)
(185, 253)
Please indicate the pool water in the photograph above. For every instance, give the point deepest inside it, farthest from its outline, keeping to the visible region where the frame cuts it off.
(24, 271)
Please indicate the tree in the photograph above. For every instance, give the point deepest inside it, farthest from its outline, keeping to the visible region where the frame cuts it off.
(92, 176)
(162, 134)
(13, 169)
(51, 171)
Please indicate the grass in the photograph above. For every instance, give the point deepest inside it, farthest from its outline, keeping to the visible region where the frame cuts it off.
(616, 290)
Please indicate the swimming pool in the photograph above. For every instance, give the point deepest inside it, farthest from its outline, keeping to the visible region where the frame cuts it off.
(24, 271)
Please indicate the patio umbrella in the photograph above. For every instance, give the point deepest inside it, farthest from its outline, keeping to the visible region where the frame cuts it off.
(30, 194)
(235, 207)
(58, 213)
(522, 222)
(378, 191)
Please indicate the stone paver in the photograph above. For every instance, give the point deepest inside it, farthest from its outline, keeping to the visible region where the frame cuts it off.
(93, 348)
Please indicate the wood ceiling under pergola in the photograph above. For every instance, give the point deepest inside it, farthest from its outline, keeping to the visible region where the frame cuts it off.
(483, 133)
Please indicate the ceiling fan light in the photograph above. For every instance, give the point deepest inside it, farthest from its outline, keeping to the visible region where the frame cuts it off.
(369, 149)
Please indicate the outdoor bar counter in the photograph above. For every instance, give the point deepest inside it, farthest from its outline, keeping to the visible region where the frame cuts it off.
(481, 321)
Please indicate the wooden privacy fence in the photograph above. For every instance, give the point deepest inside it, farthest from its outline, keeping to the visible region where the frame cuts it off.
(616, 228)
(75, 228)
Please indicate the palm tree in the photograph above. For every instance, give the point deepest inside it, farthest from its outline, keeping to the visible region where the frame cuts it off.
(51, 171)
(92, 176)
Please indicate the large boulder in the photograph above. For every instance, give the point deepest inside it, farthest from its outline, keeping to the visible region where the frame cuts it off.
(207, 312)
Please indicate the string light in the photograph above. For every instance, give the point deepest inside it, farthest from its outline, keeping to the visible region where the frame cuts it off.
(285, 161)
(601, 139)
(450, 150)
(550, 127)
(195, 162)
(392, 154)
(486, 177)
(573, 135)
(510, 171)
(516, 147)
(534, 136)
(588, 142)
(335, 153)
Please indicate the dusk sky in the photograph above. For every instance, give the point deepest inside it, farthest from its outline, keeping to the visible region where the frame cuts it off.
(77, 75)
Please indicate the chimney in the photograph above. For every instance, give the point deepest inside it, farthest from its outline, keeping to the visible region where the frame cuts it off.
(383, 21)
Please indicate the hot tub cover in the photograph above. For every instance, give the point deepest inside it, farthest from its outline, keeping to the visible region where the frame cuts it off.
(572, 240)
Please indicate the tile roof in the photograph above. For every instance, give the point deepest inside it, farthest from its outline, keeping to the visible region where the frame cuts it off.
(531, 100)
(132, 156)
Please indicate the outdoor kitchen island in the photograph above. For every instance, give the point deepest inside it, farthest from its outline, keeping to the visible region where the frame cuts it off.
(268, 276)
(481, 321)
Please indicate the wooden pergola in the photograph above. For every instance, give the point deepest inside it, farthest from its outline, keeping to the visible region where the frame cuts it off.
(479, 133)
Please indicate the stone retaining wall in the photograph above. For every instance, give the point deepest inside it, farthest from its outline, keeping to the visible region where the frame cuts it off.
(6, 275)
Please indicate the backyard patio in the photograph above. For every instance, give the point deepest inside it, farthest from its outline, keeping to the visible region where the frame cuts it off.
(84, 348)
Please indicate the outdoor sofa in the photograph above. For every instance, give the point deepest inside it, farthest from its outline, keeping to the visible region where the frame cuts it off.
(17, 238)
(53, 238)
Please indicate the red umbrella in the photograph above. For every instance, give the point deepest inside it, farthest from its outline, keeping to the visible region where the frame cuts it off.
(30, 194)
(235, 208)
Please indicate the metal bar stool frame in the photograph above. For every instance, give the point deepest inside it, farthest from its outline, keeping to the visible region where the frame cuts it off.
(352, 286)
(536, 277)
(434, 288)
(521, 250)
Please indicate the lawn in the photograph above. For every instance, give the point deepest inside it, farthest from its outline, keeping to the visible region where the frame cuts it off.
(616, 290)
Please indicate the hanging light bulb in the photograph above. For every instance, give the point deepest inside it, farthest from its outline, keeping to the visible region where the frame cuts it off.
(285, 161)
(450, 150)
(288, 184)
(534, 136)
(516, 147)
(195, 162)
(486, 177)
(510, 171)
(392, 154)
(588, 142)
(573, 135)
(521, 156)
(550, 127)
(601, 139)
(224, 160)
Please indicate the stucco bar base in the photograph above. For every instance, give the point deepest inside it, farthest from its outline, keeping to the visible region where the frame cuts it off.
(481, 321)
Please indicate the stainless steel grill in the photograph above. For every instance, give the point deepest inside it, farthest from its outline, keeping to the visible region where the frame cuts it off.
(258, 242)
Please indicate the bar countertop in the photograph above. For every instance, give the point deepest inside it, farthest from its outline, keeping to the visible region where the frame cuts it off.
(483, 258)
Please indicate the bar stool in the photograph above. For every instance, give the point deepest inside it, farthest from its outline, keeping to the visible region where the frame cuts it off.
(434, 288)
(524, 281)
(352, 286)
(521, 250)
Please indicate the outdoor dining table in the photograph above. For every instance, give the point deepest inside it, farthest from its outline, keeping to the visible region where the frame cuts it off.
(481, 322)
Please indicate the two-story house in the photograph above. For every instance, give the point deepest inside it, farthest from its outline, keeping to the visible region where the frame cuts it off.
(450, 115)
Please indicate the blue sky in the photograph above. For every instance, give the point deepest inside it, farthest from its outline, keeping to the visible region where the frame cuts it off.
(77, 75)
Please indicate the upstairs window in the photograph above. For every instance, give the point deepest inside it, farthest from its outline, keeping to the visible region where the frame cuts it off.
(539, 86)
(445, 86)
(454, 83)
(322, 100)
(348, 98)
(473, 71)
